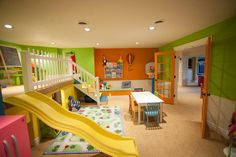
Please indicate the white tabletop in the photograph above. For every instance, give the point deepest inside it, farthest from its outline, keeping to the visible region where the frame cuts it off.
(146, 97)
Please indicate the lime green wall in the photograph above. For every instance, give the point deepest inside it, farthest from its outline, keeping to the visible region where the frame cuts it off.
(25, 47)
(84, 57)
(223, 59)
(40, 48)
(4, 43)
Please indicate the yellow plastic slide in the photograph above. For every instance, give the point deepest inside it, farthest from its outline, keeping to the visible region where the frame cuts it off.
(56, 117)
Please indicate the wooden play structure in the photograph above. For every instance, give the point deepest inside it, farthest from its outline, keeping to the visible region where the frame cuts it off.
(45, 69)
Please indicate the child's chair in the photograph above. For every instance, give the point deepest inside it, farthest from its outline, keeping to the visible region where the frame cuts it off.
(72, 104)
(134, 107)
(152, 110)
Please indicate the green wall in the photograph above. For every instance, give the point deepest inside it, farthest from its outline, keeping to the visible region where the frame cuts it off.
(84, 57)
(4, 43)
(223, 57)
(21, 48)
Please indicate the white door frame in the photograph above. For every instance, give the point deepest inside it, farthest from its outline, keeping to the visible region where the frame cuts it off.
(178, 50)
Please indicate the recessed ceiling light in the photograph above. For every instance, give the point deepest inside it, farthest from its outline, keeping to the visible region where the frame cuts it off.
(8, 26)
(136, 43)
(87, 29)
(151, 28)
(97, 44)
(53, 43)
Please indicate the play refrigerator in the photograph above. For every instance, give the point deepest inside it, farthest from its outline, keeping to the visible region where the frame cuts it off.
(14, 138)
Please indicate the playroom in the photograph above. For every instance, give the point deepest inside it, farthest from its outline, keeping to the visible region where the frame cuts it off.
(117, 81)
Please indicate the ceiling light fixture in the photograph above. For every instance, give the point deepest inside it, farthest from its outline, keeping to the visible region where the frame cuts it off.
(53, 43)
(97, 44)
(136, 43)
(87, 29)
(151, 28)
(8, 26)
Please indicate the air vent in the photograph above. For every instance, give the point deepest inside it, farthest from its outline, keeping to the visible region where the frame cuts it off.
(82, 23)
(159, 21)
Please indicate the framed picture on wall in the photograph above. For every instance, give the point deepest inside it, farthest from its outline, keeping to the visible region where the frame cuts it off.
(113, 70)
(200, 65)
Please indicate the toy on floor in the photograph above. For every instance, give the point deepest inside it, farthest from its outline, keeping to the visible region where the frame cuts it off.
(104, 85)
(72, 104)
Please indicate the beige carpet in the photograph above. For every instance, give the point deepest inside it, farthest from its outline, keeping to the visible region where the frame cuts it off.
(179, 136)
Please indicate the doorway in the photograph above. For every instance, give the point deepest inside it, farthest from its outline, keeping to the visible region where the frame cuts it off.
(191, 83)
(191, 63)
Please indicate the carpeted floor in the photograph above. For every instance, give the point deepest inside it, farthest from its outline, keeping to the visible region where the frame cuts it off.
(107, 117)
(179, 136)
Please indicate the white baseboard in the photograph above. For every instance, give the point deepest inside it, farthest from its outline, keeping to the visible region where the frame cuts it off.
(219, 130)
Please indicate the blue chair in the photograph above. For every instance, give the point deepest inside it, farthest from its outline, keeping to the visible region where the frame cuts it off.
(152, 110)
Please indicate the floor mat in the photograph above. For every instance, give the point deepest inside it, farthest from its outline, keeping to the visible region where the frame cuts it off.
(108, 117)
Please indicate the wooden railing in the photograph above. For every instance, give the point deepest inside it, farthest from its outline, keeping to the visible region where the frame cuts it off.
(42, 69)
(86, 79)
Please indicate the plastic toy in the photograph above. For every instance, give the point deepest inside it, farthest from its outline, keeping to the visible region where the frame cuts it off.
(104, 86)
(108, 86)
(73, 105)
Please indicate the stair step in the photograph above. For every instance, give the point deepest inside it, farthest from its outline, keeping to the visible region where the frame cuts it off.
(100, 94)
(90, 91)
(87, 85)
(83, 86)
(85, 91)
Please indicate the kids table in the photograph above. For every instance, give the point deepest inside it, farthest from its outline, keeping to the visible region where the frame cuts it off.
(144, 98)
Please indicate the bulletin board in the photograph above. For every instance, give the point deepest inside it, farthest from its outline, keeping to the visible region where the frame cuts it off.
(113, 70)
(10, 56)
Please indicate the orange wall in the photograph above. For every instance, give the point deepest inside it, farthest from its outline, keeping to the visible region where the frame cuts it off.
(141, 57)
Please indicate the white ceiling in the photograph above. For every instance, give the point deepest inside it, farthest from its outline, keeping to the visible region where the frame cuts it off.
(114, 23)
(193, 52)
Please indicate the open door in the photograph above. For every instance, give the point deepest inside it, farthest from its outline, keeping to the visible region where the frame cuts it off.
(205, 93)
(164, 75)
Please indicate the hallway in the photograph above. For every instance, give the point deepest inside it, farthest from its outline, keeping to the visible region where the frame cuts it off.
(188, 99)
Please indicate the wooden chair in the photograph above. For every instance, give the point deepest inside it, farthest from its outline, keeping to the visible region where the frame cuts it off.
(131, 99)
(134, 107)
